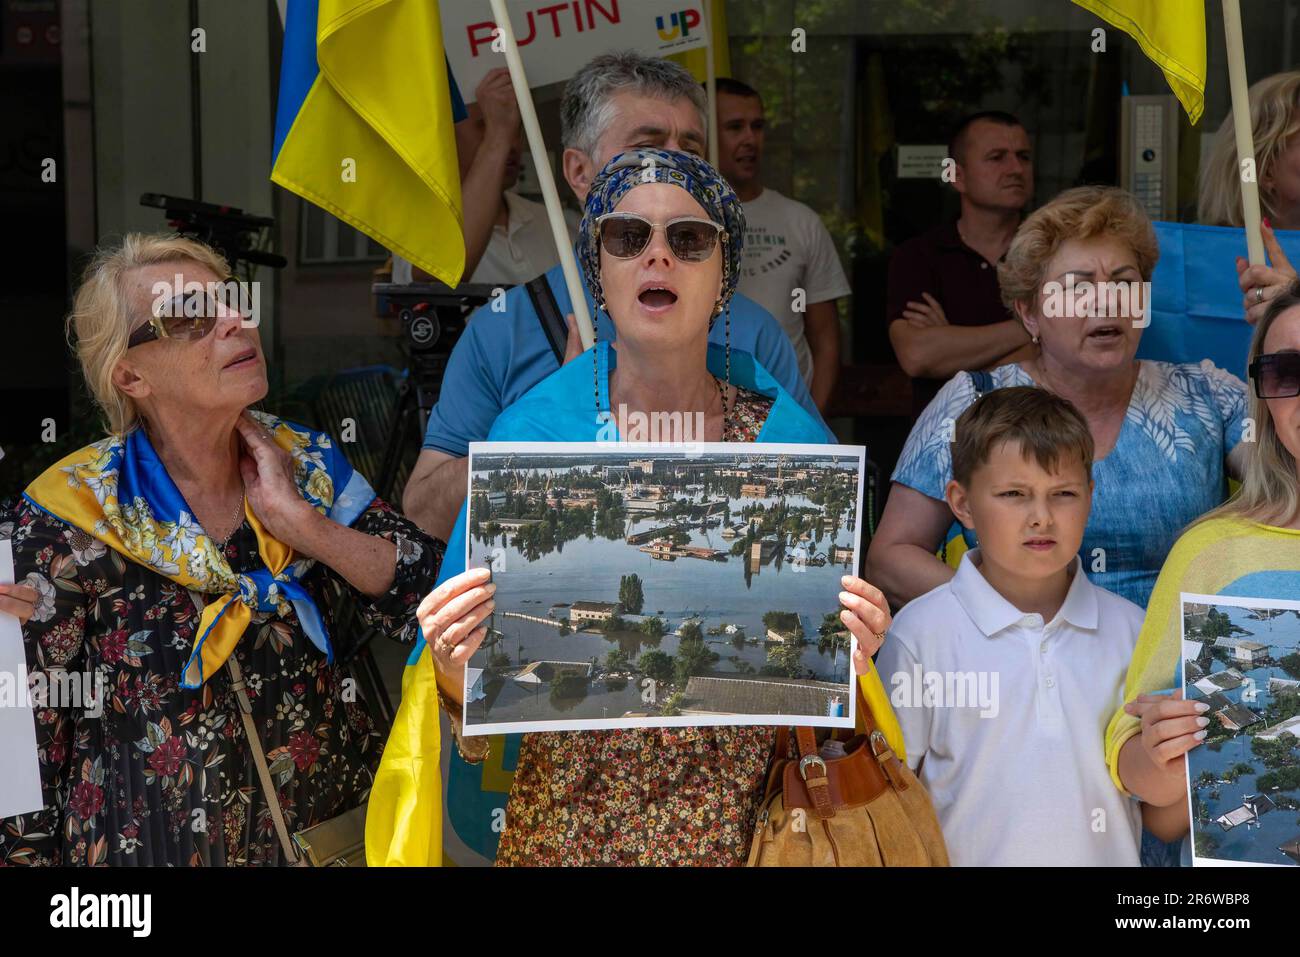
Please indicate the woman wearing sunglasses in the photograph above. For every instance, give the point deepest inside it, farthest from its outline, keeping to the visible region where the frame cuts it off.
(1246, 548)
(185, 570)
(661, 246)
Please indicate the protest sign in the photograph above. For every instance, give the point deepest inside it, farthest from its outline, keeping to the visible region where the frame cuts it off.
(556, 39)
(641, 588)
(1241, 658)
(20, 777)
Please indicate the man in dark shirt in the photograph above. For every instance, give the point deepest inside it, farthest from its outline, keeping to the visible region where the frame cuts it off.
(945, 311)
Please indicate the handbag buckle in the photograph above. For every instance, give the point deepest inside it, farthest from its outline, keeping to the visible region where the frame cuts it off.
(807, 761)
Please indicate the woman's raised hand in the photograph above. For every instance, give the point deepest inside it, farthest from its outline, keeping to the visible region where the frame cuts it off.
(1259, 284)
(866, 615)
(451, 618)
(267, 470)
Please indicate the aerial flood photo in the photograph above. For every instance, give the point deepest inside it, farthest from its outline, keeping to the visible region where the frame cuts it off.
(650, 588)
(1242, 658)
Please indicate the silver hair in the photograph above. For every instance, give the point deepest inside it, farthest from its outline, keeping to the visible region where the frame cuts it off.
(588, 110)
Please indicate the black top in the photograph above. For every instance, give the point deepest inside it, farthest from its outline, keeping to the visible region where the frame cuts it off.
(963, 281)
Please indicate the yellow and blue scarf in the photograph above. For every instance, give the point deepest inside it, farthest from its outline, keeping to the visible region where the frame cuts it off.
(118, 491)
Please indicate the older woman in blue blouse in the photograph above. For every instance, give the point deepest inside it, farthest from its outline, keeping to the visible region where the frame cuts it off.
(1167, 435)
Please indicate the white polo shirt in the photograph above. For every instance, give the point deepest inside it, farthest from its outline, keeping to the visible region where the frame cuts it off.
(1010, 714)
(515, 253)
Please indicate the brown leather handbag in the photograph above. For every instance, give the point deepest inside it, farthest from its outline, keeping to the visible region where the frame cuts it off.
(866, 809)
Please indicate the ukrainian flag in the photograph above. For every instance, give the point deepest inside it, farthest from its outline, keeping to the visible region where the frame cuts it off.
(1172, 35)
(364, 121)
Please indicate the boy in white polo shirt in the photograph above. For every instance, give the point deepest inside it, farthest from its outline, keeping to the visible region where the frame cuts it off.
(1005, 677)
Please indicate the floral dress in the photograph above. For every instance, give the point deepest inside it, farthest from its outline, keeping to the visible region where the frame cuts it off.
(641, 796)
(153, 774)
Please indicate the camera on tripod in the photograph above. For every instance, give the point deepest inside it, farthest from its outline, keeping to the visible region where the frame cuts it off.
(432, 316)
(227, 229)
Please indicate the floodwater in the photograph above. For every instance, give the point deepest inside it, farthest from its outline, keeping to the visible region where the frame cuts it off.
(1248, 842)
(714, 593)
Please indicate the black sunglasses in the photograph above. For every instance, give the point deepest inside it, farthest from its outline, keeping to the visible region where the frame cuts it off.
(1276, 375)
(626, 235)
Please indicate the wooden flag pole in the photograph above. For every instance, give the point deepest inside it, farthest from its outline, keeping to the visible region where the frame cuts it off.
(710, 82)
(537, 147)
(1242, 127)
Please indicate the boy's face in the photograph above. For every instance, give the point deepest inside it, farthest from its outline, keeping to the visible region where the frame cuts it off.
(1029, 521)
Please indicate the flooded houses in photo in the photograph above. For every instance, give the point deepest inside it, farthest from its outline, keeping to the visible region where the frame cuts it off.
(1242, 660)
(629, 584)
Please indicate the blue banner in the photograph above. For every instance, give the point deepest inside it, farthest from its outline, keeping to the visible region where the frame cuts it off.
(1196, 309)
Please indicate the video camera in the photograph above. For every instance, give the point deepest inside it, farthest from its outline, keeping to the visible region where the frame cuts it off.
(227, 229)
(432, 316)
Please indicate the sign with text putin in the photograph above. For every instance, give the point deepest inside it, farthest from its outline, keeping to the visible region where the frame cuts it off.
(556, 38)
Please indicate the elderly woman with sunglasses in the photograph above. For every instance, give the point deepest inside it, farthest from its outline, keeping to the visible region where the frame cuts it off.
(660, 244)
(1247, 549)
(186, 569)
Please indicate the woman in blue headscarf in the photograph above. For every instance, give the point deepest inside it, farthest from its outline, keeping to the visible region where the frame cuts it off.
(660, 244)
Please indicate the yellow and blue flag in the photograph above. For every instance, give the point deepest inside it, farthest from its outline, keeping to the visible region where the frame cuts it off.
(1172, 35)
(364, 121)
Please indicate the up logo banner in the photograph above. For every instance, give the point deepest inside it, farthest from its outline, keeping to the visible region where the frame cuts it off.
(556, 39)
(679, 24)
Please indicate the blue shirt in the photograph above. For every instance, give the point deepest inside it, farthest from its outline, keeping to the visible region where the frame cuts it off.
(1166, 469)
(501, 355)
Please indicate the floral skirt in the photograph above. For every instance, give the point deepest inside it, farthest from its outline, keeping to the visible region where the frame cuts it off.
(653, 796)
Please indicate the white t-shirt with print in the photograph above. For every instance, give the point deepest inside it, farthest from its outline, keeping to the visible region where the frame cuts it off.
(787, 247)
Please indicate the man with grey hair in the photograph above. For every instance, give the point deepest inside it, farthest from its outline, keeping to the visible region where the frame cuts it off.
(618, 101)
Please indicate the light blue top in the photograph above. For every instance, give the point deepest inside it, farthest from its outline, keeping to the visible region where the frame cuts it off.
(501, 355)
(1167, 466)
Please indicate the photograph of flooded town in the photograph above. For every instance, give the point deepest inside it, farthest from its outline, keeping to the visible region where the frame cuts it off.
(641, 587)
(1242, 658)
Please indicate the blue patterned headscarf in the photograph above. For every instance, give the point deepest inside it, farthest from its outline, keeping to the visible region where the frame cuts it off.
(628, 170)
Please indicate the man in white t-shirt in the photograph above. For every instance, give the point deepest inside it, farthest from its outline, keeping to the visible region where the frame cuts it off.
(507, 237)
(790, 267)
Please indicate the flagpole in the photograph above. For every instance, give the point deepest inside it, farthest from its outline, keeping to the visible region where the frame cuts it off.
(545, 177)
(1242, 127)
(710, 83)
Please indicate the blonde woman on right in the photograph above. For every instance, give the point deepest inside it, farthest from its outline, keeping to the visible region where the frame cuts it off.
(1246, 548)
(1275, 131)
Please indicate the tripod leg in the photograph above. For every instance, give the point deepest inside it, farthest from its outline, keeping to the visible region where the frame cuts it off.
(393, 446)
